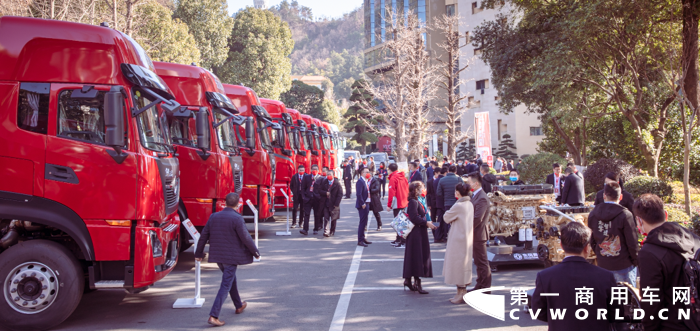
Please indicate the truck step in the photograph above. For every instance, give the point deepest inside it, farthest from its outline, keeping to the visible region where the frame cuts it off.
(104, 284)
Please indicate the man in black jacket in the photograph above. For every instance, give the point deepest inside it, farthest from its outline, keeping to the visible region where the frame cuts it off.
(320, 190)
(230, 245)
(556, 180)
(331, 212)
(572, 193)
(414, 173)
(614, 236)
(627, 198)
(570, 279)
(375, 194)
(661, 261)
(446, 192)
(347, 178)
(310, 201)
(488, 179)
(439, 202)
(297, 197)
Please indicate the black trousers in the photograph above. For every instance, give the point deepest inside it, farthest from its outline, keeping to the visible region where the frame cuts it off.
(297, 205)
(318, 216)
(398, 238)
(481, 261)
(383, 189)
(308, 207)
(327, 219)
(433, 217)
(377, 217)
(441, 231)
(348, 187)
(364, 216)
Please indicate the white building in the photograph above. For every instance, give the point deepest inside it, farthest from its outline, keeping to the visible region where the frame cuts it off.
(525, 129)
(261, 4)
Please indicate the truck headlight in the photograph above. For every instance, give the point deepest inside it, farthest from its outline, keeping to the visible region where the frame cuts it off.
(156, 246)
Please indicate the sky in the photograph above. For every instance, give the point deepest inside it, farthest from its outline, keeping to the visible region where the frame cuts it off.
(320, 8)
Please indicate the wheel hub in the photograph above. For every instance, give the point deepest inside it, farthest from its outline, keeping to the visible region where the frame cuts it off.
(31, 287)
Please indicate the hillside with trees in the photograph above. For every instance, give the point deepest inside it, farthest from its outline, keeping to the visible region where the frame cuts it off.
(327, 47)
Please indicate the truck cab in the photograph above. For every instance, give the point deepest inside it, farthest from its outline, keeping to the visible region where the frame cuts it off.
(203, 132)
(322, 143)
(329, 142)
(339, 144)
(282, 141)
(312, 142)
(298, 132)
(92, 183)
(258, 158)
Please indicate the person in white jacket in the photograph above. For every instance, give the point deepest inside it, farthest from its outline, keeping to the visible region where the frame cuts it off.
(457, 268)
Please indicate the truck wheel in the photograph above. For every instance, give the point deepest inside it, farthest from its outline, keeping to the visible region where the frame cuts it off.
(42, 285)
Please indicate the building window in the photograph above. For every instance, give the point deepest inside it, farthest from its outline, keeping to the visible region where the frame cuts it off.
(482, 84)
(475, 8)
(536, 131)
(450, 10)
(477, 51)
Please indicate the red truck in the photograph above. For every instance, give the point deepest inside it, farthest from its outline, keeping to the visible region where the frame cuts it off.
(329, 142)
(282, 141)
(298, 132)
(322, 143)
(91, 185)
(203, 132)
(258, 161)
(312, 143)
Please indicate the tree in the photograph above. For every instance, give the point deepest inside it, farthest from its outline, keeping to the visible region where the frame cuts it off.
(210, 25)
(302, 97)
(506, 147)
(258, 53)
(449, 72)
(327, 112)
(462, 151)
(358, 117)
(164, 38)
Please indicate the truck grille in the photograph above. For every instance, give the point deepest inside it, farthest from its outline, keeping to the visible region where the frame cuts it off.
(171, 195)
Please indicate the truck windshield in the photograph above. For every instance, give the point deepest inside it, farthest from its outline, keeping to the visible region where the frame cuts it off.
(152, 124)
(225, 133)
(291, 137)
(326, 142)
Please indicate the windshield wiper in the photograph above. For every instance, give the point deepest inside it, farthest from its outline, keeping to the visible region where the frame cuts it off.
(167, 147)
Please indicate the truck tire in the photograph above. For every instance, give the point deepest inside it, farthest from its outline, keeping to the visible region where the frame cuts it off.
(42, 285)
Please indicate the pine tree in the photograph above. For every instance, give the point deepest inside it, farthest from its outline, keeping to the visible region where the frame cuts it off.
(358, 118)
(471, 149)
(506, 147)
(462, 151)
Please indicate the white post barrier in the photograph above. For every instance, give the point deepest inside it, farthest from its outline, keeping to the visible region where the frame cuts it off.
(197, 301)
(287, 233)
(255, 213)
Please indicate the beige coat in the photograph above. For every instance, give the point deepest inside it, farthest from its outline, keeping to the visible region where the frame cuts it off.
(457, 268)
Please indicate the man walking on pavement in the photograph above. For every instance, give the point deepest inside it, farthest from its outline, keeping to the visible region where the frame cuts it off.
(446, 192)
(347, 178)
(363, 205)
(332, 211)
(297, 198)
(481, 219)
(375, 193)
(320, 190)
(230, 245)
(310, 203)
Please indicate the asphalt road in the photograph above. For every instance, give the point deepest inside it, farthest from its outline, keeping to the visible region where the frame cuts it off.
(298, 285)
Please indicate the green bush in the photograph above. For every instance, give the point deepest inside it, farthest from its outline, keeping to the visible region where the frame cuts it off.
(679, 216)
(594, 177)
(646, 184)
(535, 168)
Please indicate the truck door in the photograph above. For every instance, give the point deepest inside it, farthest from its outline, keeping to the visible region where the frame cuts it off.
(79, 172)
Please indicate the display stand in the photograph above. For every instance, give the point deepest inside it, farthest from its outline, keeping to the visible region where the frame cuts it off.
(287, 233)
(197, 301)
(255, 213)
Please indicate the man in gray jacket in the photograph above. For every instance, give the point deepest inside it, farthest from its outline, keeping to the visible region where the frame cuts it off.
(230, 245)
(482, 204)
(446, 191)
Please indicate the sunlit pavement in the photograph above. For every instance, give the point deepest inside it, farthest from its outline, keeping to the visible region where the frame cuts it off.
(298, 286)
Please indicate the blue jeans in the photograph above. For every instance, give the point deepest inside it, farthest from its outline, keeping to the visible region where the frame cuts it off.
(626, 275)
(228, 286)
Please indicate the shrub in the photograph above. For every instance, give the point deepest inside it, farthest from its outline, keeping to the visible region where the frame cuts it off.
(645, 184)
(679, 216)
(594, 177)
(679, 193)
(695, 223)
(535, 168)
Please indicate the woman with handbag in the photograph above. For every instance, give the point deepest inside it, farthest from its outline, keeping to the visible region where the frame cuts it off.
(416, 261)
(457, 268)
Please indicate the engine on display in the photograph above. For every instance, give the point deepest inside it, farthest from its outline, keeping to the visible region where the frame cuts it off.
(547, 231)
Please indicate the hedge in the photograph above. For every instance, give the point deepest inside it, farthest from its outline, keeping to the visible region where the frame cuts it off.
(594, 177)
(535, 168)
(646, 184)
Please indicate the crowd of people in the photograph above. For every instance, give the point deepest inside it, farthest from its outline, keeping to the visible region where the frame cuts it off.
(451, 200)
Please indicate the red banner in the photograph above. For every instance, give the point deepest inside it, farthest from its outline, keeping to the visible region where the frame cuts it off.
(483, 137)
(384, 144)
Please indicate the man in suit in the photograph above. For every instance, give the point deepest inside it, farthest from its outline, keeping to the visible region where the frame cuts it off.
(488, 180)
(627, 198)
(430, 169)
(331, 212)
(414, 173)
(321, 195)
(230, 245)
(446, 192)
(573, 167)
(439, 200)
(347, 178)
(572, 193)
(511, 167)
(568, 279)
(310, 202)
(556, 180)
(471, 167)
(363, 204)
(482, 205)
(297, 198)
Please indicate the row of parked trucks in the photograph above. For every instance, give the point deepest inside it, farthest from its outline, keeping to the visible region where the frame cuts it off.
(105, 153)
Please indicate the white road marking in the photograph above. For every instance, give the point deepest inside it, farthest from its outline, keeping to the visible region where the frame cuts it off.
(396, 260)
(341, 309)
(390, 288)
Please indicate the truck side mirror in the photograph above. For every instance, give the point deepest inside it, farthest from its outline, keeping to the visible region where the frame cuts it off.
(114, 123)
(203, 133)
(281, 139)
(250, 133)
